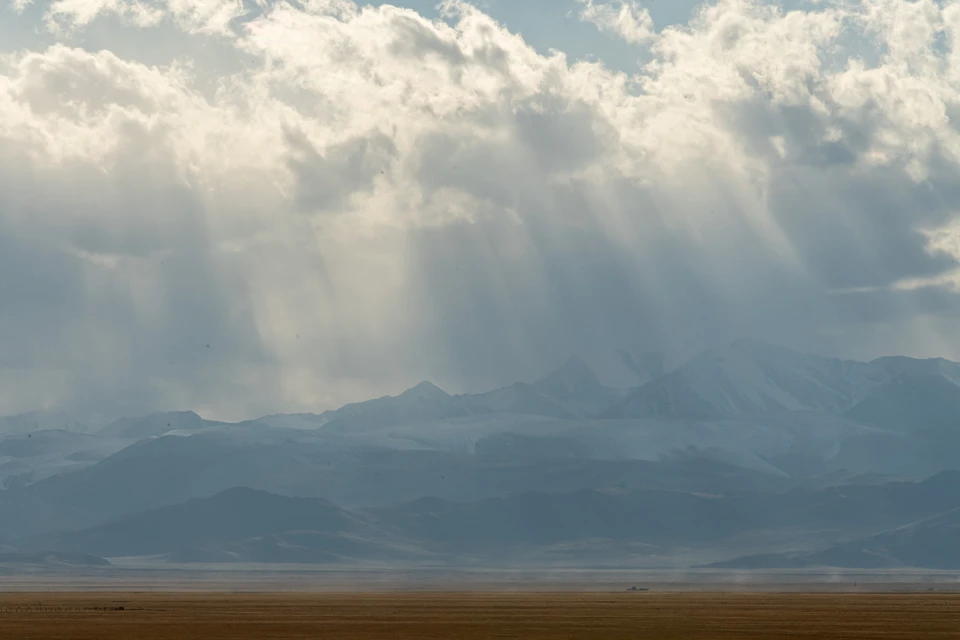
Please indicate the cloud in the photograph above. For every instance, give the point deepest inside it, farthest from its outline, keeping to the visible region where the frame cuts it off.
(325, 181)
(369, 197)
(194, 16)
(624, 18)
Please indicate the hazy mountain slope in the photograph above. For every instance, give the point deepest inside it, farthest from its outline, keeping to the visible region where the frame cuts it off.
(157, 424)
(304, 547)
(932, 543)
(792, 444)
(423, 402)
(45, 443)
(577, 527)
(924, 410)
(302, 421)
(573, 390)
(230, 516)
(573, 378)
(25, 514)
(536, 519)
(25, 423)
(564, 394)
(667, 517)
(577, 386)
(922, 404)
(885, 452)
(902, 366)
(867, 526)
(623, 369)
(460, 459)
(51, 560)
(749, 378)
(28, 458)
(876, 505)
(242, 524)
(518, 399)
(167, 470)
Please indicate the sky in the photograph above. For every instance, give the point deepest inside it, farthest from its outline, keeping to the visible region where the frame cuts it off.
(248, 207)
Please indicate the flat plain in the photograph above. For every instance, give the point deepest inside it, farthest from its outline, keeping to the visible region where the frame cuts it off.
(468, 616)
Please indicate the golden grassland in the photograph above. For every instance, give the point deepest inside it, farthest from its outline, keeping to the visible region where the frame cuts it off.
(467, 616)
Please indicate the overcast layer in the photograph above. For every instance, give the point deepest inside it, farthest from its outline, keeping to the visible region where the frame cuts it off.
(244, 208)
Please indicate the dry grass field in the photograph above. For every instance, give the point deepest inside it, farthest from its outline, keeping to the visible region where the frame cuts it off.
(489, 616)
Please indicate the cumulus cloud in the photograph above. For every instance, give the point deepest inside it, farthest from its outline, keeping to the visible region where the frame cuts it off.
(194, 16)
(372, 197)
(624, 18)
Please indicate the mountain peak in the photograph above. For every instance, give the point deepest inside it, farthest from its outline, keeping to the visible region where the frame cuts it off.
(156, 424)
(573, 376)
(184, 415)
(623, 368)
(425, 389)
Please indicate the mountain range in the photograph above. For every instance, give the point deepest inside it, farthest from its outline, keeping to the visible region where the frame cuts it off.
(750, 455)
(899, 523)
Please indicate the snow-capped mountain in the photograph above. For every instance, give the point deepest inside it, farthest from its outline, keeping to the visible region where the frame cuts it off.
(424, 402)
(749, 378)
(157, 424)
(572, 379)
(571, 391)
(753, 436)
(29, 457)
(623, 368)
(41, 421)
(922, 403)
(579, 389)
(902, 367)
(518, 398)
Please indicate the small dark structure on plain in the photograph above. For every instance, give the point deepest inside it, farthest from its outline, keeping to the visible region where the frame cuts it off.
(638, 589)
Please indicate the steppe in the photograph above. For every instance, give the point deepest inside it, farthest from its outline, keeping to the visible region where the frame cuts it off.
(476, 615)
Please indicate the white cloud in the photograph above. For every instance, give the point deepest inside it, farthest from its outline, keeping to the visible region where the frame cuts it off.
(372, 197)
(624, 18)
(194, 16)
